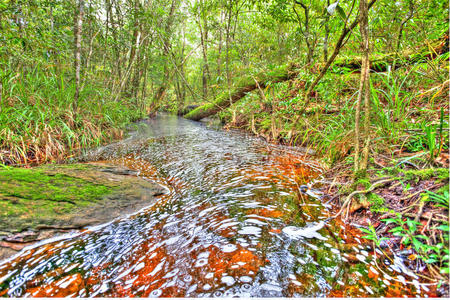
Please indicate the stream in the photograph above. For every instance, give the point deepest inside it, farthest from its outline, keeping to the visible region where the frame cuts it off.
(237, 221)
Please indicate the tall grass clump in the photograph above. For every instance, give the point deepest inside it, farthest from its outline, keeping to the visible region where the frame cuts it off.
(37, 121)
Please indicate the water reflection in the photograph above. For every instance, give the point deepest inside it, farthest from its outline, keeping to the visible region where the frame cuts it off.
(235, 222)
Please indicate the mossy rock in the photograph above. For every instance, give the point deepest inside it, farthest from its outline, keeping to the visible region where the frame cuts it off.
(69, 196)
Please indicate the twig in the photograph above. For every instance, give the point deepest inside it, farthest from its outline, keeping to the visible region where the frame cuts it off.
(395, 185)
(419, 214)
(412, 195)
(332, 184)
(428, 224)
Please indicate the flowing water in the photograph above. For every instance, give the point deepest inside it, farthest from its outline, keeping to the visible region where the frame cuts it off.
(236, 221)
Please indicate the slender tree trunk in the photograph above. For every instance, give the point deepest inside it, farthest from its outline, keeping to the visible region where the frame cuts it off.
(108, 12)
(361, 167)
(203, 27)
(117, 47)
(327, 33)
(400, 31)
(77, 64)
(227, 45)
(219, 51)
(1, 91)
(166, 49)
(306, 33)
(364, 28)
(337, 49)
(229, 15)
(183, 86)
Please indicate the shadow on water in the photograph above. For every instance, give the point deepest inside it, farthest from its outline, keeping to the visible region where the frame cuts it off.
(233, 223)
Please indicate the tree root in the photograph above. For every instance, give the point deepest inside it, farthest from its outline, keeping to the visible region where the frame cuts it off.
(349, 198)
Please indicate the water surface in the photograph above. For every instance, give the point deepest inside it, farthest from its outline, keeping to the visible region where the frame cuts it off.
(234, 222)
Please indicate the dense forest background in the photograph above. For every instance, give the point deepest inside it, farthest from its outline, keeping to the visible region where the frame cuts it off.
(73, 73)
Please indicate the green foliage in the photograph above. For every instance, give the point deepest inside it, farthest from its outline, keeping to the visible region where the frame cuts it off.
(37, 123)
(372, 235)
(431, 254)
(424, 174)
(392, 103)
(439, 200)
(376, 201)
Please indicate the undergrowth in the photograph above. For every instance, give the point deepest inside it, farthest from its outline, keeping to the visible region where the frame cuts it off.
(38, 123)
(409, 112)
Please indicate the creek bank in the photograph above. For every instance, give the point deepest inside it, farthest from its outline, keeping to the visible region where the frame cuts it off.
(39, 203)
(408, 184)
(403, 212)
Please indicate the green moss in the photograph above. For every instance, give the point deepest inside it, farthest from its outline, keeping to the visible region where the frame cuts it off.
(443, 189)
(364, 181)
(34, 184)
(424, 174)
(31, 196)
(376, 201)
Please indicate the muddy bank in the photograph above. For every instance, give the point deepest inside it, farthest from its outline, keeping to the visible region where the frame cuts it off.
(38, 203)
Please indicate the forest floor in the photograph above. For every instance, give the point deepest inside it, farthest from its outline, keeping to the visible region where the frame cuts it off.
(397, 207)
(41, 202)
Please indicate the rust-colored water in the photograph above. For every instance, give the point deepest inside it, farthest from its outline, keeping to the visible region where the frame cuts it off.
(233, 223)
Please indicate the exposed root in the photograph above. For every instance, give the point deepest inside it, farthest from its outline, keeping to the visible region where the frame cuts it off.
(349, 198)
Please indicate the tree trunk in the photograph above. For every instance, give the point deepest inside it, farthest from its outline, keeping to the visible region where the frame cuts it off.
(360, 168)
(219, 51)
(227, 98)
(166, 47)
(206, 77)
(402, 26)
(77, 53)
(337, 49)
(364, 28)
(327, 33)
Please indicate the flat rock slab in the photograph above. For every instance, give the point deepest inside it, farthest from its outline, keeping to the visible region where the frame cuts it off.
(41, 202)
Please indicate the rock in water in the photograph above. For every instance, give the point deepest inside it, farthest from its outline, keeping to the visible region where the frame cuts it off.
(307, 232)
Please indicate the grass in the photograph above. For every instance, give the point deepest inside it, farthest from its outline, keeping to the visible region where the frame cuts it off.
(38, 124)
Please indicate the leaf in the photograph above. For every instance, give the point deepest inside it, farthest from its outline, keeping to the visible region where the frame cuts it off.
(418, 245)
(368, 237)
(406, 240)
(444, 227)
(389, 221)
(365, 230)
(396, 229)
(341, 12)
(422, 237)
(332, 8)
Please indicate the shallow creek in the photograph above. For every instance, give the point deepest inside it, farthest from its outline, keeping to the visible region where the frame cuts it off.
(235, 221)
